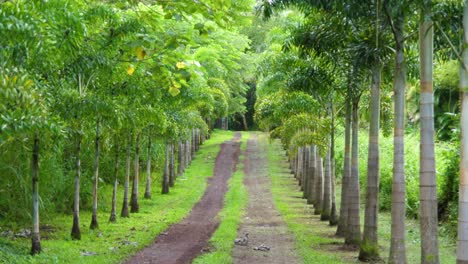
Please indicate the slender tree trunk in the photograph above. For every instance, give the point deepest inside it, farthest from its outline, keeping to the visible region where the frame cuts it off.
(193, 144)
(35, 235)
(369, 249)
(462, 252)
(171, 166)
(135, 207)
(76, 233)
(343, 222)
(353, 236)
(306, 171)
(318, 185)
(113, 214)
(165, 181)
(188, 152)
(333, 213)
(427, 175)
(125, 211)
(300, 157)
(148, 170)
(325, 216)
(94, 222)
(180, 156)
(313, 173)
(397, 243)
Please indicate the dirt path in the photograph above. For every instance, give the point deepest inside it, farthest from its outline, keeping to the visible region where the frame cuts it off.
(182, 242)
(262, 221)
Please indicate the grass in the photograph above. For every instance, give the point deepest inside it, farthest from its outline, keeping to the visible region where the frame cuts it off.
(315, 240)
(113, 243)
(222, 241)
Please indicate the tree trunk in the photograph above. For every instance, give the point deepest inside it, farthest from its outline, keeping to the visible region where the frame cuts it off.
(333, 213)
(462, 252)
(35, 235)
(325, 216)
(313, 173)
(342, 223)
(306, 171)
(148, 170)
(353, 235)
(188, 153)
(113, 214)
(76, 233)
(397, 243)
(125, 212)
(135, 207)
(165, 181)
(171, 166)
(94, 222)
(427, 176)
(369, 249)
(180, 156)
(300, 167)
(318, 185)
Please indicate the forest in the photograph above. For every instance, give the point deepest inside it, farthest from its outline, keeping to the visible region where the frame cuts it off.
(339, 128)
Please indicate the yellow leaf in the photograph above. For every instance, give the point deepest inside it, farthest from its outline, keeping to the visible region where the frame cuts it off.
(180, 65)
(141, 53)
(174, 91)
(28, 83)
(130, 69)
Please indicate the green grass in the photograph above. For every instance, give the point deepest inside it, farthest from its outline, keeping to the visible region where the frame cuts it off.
(113, 243)
(315, 240)
(222, 241)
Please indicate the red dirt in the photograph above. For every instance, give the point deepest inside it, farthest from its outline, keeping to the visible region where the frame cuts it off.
(183, 241)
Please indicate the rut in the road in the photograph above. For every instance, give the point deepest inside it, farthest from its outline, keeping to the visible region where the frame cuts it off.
(182, 242)
(262, 220)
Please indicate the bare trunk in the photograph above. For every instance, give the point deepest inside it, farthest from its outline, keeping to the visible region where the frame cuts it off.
(427, 175)
(300, 157)
(165, 181)
(333, 213)
(180, 156)
(113, 214)
(353, 235)
(318, 185)
(313, 173)
(76, 233)
(369, 249)
(148, 171)
(325, 216)
(306, 171)
(94, 222)
(171, 166)
(462, 252)
(343, 222)
(125, 212)
(135, 207)
(397, 243)
(35, 235)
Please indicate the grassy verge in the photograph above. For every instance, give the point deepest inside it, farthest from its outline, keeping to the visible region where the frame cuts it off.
(222, 241)
(113, 243)
(315, 239)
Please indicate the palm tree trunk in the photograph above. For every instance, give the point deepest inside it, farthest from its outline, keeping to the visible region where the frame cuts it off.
(35, 235)
(313, 173)
(171, 166)
(94, 221)
(76, 233)
(306, 171)
(369, 249)
(318, 185)
(397, 243)
(343, 222)
(148, 170)
(135, 207)
(462, 253)
(333, 213)
(325, 216)
(300, 157)
(353, 236)
(427, 175)
(125, 212)
(165, 181)
(113, 214)
(180, 156)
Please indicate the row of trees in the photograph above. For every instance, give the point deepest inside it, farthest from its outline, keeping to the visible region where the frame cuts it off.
(333, 52)
(93, 82)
